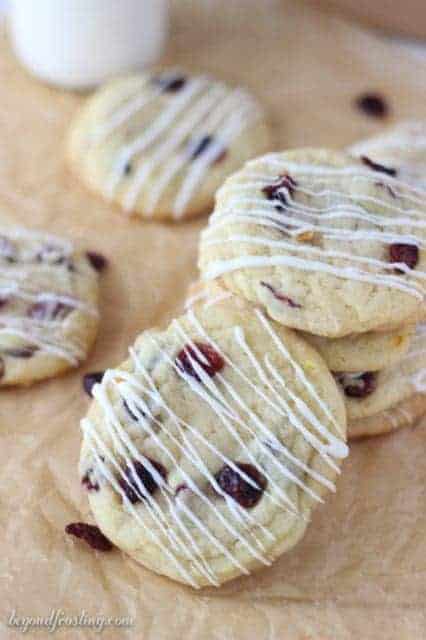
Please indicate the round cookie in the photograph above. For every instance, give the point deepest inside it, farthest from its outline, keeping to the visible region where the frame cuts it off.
(205, 452)
(402, 148)
(48, 305)
(370, 351)
(326, 243)
(404, 414)
(160, 144)
(369, 393)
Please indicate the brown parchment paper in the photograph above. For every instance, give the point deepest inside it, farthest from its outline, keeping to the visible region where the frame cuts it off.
(360, 572)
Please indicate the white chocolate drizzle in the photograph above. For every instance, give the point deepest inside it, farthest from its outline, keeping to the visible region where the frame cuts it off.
(26, 280)
(111, 448)
(243, 208)
(201, 108)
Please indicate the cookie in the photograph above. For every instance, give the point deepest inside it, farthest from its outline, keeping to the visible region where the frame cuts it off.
(326, 243)
(404, 414)
(371, 351)
(48, 305)
(160, 144)
(401, 148)
(370, 393)
(206, 451)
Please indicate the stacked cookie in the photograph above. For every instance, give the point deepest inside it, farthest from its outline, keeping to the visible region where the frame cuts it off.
(206, 451)
(332, 246)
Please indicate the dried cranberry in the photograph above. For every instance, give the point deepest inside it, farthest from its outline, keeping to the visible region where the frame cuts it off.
(130, 485)
(406, 253)
(274, 191)
(232, 483)
(279, 296)
(3, 302)
(357, 385)
(91, 534)
(88, 481)
(390, 171)
(133, 414)
(180, 488)
(23, 352)
(2, 368)
(90, 379)
(98, 261)
(49, 311)
(169, 83)
(205, 356)
(372, 104)
(197, 147)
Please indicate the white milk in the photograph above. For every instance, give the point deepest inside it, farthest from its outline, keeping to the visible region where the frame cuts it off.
(80, 43)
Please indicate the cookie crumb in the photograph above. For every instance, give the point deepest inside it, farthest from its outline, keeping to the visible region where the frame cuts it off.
(97, 260)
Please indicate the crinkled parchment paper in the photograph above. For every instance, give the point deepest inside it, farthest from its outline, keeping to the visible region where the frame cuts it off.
(360, 572)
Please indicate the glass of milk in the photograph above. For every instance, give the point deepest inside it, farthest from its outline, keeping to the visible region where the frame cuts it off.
(77, 44)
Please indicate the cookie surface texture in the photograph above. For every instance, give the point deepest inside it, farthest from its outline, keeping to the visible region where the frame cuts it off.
(369, 393)
(324, 242)
(205, 452)
(160, 144)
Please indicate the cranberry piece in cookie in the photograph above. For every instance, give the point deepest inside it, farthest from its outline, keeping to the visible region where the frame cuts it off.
(90, 379)
(130, 485)
(390, 171)
(197, 147)
(279, 190)
(134, 416)
(357, 385)
(204, 355)
(281, 296)
(21, 352)
(51, 254)
(91, 534)
(405, 253)
(89, 481)
(232, 483)
(49, 311)
(169, 83)
(8, 250)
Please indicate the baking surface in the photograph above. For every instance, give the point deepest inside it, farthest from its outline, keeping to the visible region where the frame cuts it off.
(360, 572)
